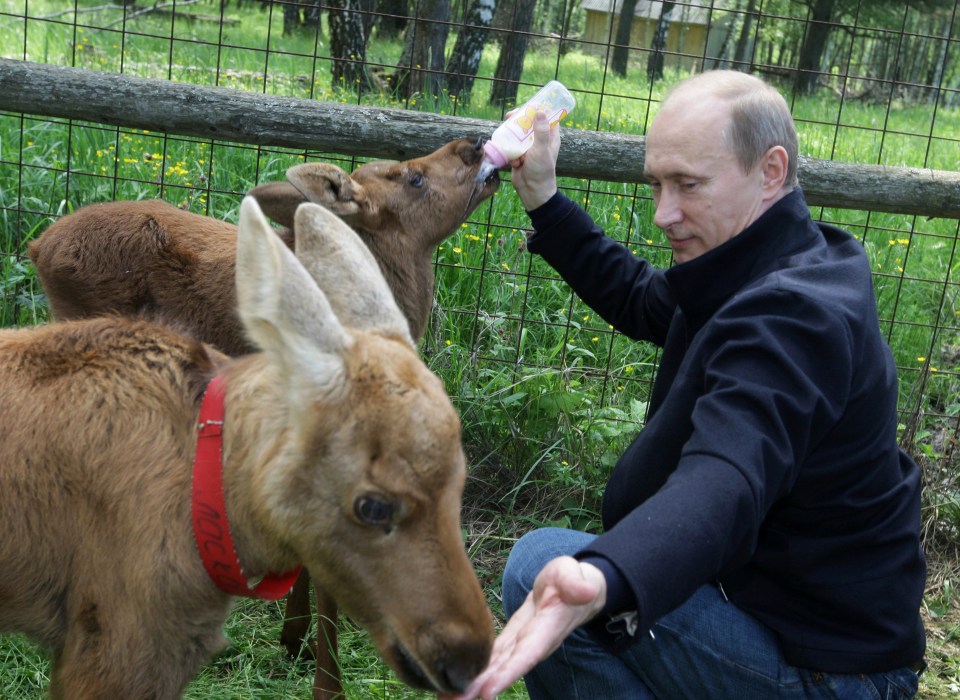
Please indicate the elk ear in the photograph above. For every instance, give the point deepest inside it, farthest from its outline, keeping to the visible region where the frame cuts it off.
(344, 268)
(283, 310)
(328, 185)
(279, 201)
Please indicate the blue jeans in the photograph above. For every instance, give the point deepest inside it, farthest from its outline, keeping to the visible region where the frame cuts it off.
(707, 649)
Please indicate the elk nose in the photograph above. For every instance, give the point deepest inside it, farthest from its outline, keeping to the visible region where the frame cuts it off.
(463, 662)
(456, 676)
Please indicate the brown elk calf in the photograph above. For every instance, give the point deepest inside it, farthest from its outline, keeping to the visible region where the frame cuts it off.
(340, 450)
(150, 257)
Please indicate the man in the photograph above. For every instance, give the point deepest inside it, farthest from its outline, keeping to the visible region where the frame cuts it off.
(761, 534)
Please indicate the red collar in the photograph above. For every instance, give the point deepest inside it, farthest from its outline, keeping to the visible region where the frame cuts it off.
(210, 526)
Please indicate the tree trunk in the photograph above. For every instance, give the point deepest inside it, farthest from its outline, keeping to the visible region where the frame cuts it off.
(420, 70)
(655, 60)
(368, 18)
(742, 55)
(393, 18)
(347, 45)
(506, 76)
(311, 15)
(621, 49)
(291, 18)
(465, 59)
(814, 45)
(940, 63)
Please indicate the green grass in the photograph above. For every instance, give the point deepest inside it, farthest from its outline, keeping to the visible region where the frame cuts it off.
(549, 395)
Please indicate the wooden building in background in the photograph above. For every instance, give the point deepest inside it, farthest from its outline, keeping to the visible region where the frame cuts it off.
(698, 29)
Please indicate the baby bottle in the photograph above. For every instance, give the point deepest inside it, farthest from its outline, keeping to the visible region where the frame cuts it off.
(514, 137)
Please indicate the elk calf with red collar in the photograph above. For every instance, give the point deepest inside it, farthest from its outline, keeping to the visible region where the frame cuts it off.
(340, 451)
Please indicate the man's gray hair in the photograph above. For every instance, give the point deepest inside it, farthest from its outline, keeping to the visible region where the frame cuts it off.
(759, 117)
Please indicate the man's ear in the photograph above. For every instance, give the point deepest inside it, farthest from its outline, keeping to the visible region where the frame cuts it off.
(775, 164)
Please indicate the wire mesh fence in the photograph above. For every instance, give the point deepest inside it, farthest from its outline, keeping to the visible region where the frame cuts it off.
(542, 383)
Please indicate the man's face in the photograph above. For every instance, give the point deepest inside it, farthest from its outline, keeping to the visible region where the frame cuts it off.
(702, 196)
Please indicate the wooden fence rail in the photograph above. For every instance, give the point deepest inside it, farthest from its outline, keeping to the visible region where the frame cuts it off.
(232, 115)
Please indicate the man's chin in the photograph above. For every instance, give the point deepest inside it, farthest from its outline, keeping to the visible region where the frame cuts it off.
(684, 254)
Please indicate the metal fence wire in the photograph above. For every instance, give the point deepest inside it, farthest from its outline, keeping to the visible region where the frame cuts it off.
(541, 382)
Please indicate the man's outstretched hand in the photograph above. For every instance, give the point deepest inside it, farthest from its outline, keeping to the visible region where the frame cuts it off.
(565, 595)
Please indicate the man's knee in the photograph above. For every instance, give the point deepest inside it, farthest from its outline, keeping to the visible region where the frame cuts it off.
(528, 557)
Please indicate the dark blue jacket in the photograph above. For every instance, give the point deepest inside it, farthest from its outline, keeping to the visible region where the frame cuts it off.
(769, 461)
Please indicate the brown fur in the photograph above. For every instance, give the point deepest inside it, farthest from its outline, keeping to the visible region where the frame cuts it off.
(97, 433)
(151, 257)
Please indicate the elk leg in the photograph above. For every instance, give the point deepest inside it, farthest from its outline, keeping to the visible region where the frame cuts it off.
(326, 683)
(296, 618)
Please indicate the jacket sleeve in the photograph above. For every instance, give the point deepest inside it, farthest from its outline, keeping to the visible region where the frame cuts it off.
(627, 291)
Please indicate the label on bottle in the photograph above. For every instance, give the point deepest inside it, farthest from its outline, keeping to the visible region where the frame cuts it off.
(521, 124)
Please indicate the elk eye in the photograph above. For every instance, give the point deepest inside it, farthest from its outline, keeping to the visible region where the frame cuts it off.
(373, 510)
(417, 180)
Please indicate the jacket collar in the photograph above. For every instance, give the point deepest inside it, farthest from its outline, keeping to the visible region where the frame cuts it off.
(705, 283)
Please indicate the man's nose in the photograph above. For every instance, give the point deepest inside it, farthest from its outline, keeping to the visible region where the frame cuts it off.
(667, 211)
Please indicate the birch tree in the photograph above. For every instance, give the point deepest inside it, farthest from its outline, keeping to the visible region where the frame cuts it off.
(421, 66)
(468, 50)
(655, 59)
(347, 44)
(621, 49)
(512, 54)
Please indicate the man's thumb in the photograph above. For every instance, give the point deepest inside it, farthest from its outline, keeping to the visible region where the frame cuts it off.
(541, 123)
